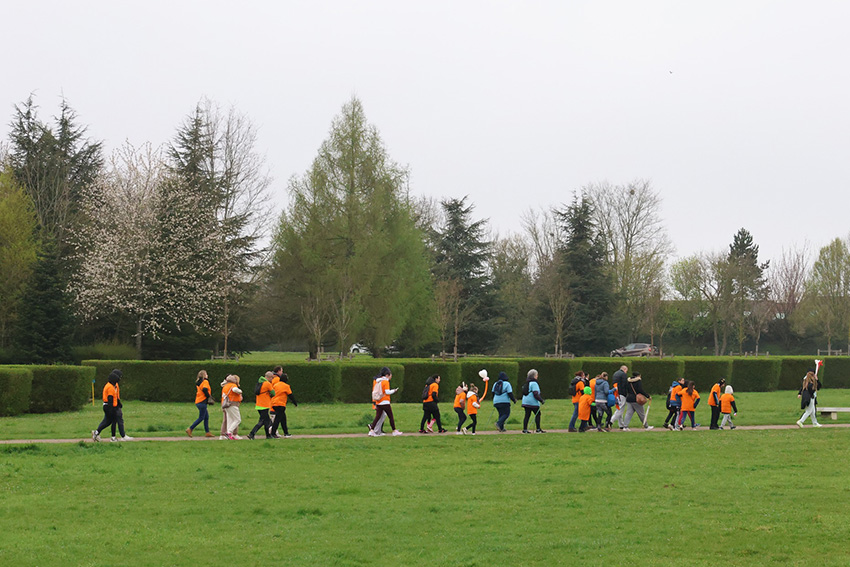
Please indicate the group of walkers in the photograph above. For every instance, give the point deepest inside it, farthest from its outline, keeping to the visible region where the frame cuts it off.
(597, 403)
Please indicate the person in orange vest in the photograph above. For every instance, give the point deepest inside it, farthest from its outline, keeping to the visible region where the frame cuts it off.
(231, 399)
(584, 409)
(381, 393)
(459, 405)
(112, 412)
(264, 392)
(727, 406)
(472, 406)
(430, 409)
(578, 385)
(674, 403)
(690, 401)
(203, 397)
(714, 402)
(282, 394)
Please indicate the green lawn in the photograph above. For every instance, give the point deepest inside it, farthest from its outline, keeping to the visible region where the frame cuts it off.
(169, 419)
(738, 499)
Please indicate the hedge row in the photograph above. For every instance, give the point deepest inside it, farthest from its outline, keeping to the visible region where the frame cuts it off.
(44, 389)
(351, 382)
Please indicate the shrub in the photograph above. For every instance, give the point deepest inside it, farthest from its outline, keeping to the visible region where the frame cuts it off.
(356, 381)
(706, 371)
(16, 386)
(416, 373)
(658, 373)
(103, 351)
(174, 381)
(60, 388)
(836, 372)
(755, 374)
(793, 371)
(554, 377)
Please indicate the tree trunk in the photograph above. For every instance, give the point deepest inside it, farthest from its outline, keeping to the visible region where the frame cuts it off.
(139, 338)
(226, 327)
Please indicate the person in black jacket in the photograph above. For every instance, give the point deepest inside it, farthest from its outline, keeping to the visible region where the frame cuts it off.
(621, 379)
(808, 395)
(634, 386)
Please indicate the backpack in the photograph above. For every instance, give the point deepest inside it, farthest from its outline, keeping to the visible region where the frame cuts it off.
(525, 388)
(426, 393)
(257, 388)
(573, 383)
(377, 391)
(498, 387)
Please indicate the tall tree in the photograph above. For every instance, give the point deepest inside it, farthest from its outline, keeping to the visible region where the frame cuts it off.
(348, 258)
(787, 281)
(151, 253)
(463, 254)
(214, 152)
(747, 285)
(18, 249)
(54, 164)
(593, 325)
(826, 305)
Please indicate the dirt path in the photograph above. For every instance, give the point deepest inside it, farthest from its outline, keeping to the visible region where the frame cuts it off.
(417, 435)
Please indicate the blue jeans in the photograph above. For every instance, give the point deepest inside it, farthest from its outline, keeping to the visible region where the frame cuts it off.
(504, 410)
(203, 415)
(575, 416)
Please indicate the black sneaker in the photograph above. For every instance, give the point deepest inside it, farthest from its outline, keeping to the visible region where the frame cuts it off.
(540, 431)
(250, 436)
(526, 431)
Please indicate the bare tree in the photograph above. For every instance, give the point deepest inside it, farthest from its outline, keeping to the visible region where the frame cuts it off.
(826, 304)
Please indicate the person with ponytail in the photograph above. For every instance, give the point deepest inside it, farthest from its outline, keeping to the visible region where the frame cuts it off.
(203, 397)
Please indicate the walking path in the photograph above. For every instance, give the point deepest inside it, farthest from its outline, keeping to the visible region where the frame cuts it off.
(416, 435)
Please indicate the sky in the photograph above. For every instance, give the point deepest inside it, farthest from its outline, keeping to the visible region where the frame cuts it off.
(738, 112)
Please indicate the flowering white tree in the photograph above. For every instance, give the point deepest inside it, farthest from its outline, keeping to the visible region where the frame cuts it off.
(146, 249)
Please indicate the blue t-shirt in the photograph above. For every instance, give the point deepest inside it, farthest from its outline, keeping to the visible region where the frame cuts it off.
(529, 399)
(503, 397)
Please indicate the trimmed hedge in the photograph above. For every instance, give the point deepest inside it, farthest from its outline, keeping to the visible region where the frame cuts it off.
(60, 388)
(554, 376)
(416, 373)
(174, 381)
(793, 371)
(356, 381)
(16, 385)
(836, 372)
(706, 371)
(755, 374)
(594, 366)
(658, 373)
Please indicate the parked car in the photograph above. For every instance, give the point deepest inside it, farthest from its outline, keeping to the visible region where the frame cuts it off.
(358, 348)
(636, 349)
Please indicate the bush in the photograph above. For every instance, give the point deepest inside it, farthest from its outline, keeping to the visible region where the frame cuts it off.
(103, 351)
(793, 371)
(16, 385)
(60, 388)
(706, 371)
(836, 372)
(755, 374)
(658, 373)
(554, 375)
(174, 381)
(416, 373)
(356, 381)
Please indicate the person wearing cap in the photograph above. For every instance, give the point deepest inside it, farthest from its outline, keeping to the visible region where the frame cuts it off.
(727, 406)
(382, 404)
(503, 396)
(634, 388)
(531, 401)
(714, 402)
(112, 408)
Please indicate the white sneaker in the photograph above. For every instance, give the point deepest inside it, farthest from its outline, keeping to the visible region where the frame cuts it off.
(650, 427)
(113, 439)
(818, 425)
(800, 424)
(128, 438)
(458, 433)
(95, 436)
(372, 433)
(222, 437)
(626, 429)
(237, 437)
(463, 430)
(380, 434)
(396, 433)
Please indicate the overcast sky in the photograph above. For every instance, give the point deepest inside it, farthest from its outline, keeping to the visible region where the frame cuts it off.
(737, 111)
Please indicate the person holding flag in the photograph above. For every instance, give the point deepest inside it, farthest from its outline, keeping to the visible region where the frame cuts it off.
(808, 395)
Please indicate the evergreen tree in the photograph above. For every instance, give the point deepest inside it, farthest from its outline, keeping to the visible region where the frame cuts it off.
(43, 334)
(593, 326)
(747, 283)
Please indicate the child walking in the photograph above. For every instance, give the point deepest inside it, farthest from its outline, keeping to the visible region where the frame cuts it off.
(584, 410)
(690, 401)
(459, 405)
(472, 406)
(674, 403)
(727, 406)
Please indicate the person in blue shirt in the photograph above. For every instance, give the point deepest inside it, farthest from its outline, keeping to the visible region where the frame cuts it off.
(531, 401)
(503, 395)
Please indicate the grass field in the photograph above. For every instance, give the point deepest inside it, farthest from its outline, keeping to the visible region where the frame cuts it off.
(150, 419)
(750, 498)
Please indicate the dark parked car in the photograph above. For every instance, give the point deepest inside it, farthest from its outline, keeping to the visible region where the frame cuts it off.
(636, 349)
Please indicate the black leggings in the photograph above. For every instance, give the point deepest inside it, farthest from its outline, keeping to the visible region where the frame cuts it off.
(474, 418)
(279, 419)
(672, 412)
(430, 410)
(600, 410)
(461, 417)
(113, 418)
(528, 411)
(381, 410)
(264, 422)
